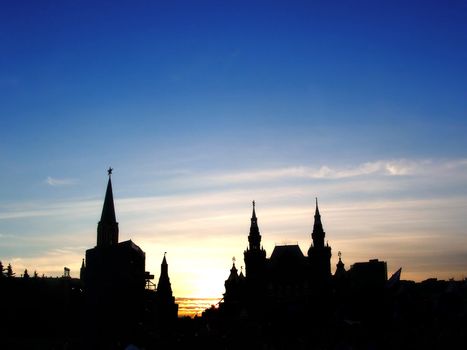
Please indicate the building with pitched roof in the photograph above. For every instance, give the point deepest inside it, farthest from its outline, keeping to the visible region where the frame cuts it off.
(288, 280)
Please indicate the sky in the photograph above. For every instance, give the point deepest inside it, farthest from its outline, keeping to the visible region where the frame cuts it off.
(203, 106)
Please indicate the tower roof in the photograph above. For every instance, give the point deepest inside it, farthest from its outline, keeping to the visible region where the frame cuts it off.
(233, 273)
(317, 216)
(108, 210)
(254, 220)
(254, 237)
(318, 233)
(107, 228)
(287, 252)
(164, 288)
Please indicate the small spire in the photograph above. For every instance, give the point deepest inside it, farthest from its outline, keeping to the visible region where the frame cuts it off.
(318, 233)
(233, 271)
(340, 267)
(254, 238)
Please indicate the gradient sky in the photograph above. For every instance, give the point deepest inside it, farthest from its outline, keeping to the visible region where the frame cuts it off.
(203, 106)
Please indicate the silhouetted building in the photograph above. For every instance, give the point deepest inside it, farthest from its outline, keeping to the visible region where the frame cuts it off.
(288, 283)
(369, 275)
(114, 280)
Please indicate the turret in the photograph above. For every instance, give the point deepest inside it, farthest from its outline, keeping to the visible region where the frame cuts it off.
(82, 271)
(254, 255)
(254, 238)
(319, 254)
(340, 268)
(318, 232)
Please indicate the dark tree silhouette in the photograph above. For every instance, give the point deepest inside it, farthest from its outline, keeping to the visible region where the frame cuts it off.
(26, 274)
(2, 269)
(9, 271)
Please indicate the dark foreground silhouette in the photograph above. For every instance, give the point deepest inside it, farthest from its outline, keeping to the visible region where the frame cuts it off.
(50, 313)
(286, 301)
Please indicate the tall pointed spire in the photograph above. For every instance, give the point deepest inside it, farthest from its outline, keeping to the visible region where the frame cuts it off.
(164, 288)
(319, 254)
(164, 266)
(254, 238)
(107, 228)
(318, 231)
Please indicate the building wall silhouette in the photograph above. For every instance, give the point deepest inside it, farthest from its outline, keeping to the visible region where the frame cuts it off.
(287, 282)
(118, 304)
(290, 285)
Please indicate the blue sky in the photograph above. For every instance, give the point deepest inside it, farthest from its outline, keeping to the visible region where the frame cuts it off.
(203, 106)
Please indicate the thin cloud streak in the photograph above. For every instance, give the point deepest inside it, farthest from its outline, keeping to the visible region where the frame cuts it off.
(401, 167)
(60, 182)
(376, 175)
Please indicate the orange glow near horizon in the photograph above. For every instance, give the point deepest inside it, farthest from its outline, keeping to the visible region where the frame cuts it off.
(191, 307)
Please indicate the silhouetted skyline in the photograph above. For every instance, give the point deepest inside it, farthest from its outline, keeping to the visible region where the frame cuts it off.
(202, 107)
(289, 300)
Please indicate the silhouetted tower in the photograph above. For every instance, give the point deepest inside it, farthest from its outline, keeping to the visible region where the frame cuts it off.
(234, 292)
(82, 271)
(164, 288)
(167, 310)
(231, 284)
(254, 255)
(107, 228)
(114, 279)
(319, 253)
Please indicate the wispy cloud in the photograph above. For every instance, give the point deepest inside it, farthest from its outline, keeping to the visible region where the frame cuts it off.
(399, 167)
(59, 182)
